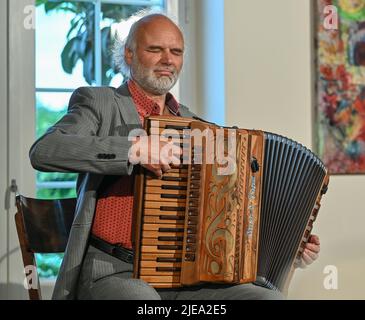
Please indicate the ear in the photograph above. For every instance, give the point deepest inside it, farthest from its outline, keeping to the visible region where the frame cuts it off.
(128, 54)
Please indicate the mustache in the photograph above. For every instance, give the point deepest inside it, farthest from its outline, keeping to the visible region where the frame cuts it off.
(165, 68)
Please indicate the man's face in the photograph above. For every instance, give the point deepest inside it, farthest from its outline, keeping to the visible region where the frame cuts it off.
(158, 57)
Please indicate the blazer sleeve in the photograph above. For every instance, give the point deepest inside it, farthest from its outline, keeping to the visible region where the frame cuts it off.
(73, 144)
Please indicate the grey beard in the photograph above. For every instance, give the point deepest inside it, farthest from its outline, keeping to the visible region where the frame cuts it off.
(149, 82)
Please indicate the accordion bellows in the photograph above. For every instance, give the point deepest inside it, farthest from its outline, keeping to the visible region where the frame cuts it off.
(197, 225)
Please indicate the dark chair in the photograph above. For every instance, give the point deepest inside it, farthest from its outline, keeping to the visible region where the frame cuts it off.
(43, 226)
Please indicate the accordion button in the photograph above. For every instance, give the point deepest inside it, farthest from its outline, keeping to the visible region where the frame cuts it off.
(324, 190)
(191, 240)
(255, 167)
(190, 257)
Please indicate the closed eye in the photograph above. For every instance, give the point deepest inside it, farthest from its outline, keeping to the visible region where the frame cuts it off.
(154, 49)
(177, 52)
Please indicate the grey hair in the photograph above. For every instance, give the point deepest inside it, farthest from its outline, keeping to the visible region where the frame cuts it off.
(120, 44)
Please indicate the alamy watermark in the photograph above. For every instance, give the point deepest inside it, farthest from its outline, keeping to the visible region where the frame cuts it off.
(330, 21)
(31, 277)
(330, 17)
(330, 281)
(29, 18)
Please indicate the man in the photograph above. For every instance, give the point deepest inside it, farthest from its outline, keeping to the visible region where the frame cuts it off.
(92, 139)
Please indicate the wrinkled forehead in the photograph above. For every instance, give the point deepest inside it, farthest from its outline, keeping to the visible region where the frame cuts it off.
(159, 31)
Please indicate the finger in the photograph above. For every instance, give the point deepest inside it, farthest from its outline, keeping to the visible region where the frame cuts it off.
(165, 167)
(306, 258)
(156, 170)
(176, 161)
(169, 151)
(312, 255)
(177, 150)
(313, 247)
(314, 239)
(176, 147)
(157, 173)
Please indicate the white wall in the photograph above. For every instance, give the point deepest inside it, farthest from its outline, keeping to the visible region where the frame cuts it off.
(189, 82)
(268, 86)
(17, 82)
(3, 144)
(202, 80)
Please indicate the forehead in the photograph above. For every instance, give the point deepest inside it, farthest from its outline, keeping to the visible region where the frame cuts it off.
(160, 32)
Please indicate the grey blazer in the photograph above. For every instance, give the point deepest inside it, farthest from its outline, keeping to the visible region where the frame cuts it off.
(92, 140)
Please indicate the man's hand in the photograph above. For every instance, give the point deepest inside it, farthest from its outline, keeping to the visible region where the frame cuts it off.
(311, 251)
(154, 155)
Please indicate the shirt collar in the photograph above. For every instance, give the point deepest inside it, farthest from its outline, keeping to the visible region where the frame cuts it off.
(146, 106)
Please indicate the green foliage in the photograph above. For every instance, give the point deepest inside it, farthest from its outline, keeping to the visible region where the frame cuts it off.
(48, 265)
(80, 37)
(56, 193)
(46, 117)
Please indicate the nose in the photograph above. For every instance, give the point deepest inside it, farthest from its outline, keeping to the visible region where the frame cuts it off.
(166, 57)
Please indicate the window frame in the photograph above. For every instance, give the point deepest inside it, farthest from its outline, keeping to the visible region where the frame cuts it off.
(170, 7)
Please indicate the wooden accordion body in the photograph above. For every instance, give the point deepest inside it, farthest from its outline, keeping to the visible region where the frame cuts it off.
(195, 225)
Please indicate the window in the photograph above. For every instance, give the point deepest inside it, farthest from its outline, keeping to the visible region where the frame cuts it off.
(73, 41)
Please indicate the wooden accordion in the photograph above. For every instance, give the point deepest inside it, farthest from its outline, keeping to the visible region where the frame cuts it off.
(196, 225)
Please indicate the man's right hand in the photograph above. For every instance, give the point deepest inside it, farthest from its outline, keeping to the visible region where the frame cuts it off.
(154, 155)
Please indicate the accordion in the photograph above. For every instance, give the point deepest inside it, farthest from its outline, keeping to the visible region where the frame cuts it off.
(222, 218)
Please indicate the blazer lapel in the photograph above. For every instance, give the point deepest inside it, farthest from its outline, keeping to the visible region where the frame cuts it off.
(127, 107)
(185, 113)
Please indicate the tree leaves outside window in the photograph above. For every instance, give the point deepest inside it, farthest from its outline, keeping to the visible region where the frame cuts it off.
(80, 37)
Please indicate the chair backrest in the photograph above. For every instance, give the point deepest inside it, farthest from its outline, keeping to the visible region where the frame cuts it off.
(43, 226)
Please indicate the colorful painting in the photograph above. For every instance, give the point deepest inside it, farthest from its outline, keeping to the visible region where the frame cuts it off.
(340, 38)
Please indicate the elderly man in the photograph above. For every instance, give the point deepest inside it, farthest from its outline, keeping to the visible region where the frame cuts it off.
(92, 140)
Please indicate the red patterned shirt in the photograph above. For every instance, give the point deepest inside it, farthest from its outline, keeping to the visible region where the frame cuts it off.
(114, 208)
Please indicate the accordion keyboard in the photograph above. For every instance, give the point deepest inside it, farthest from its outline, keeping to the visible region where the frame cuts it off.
(163, 220)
